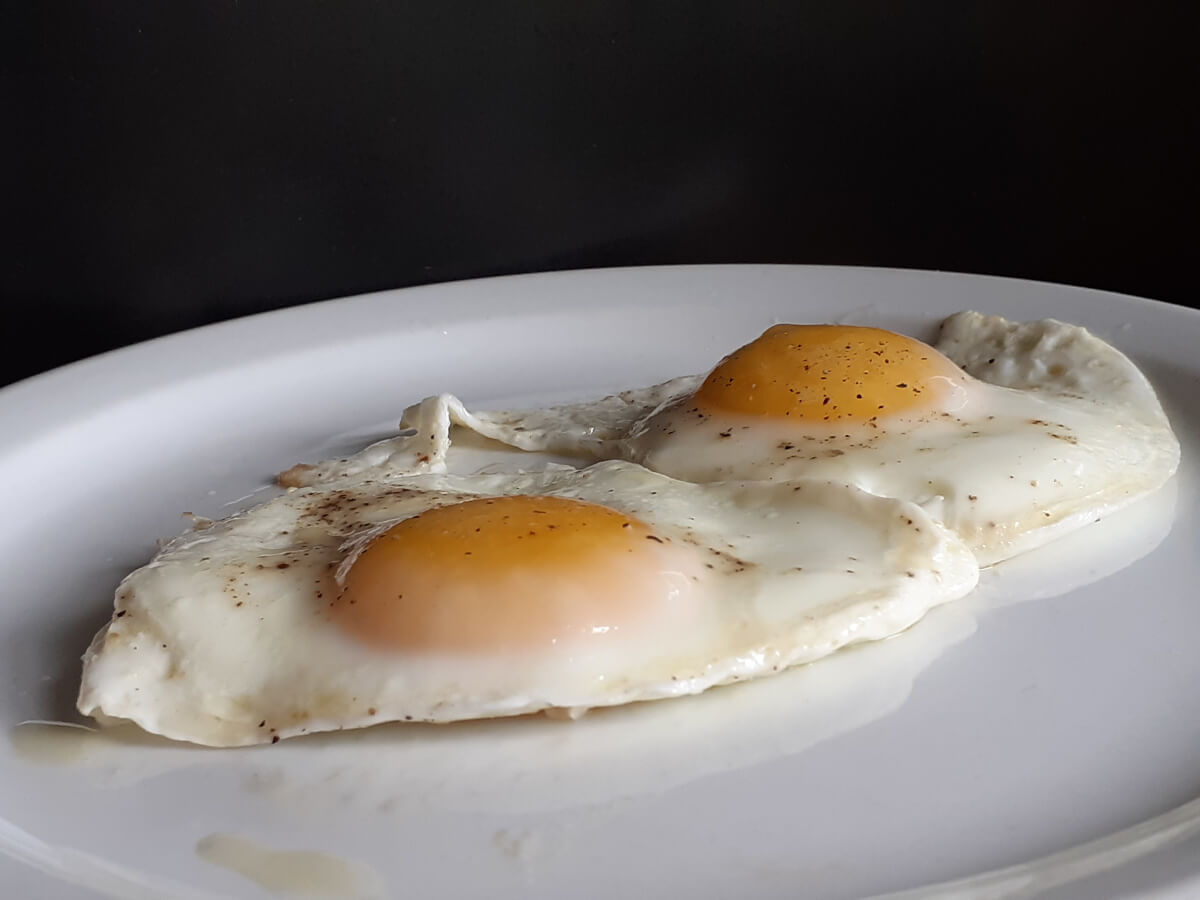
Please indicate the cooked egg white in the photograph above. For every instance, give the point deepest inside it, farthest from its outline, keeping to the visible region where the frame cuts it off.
(438, 598)
(1008, 433)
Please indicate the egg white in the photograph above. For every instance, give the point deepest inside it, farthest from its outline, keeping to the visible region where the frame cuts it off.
(222, 638)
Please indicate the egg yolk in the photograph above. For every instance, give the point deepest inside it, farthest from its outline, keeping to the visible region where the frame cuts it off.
(511, 573)
(830, 373)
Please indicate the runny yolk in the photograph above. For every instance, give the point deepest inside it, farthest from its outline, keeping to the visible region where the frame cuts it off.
(830, 373)
(511, 573)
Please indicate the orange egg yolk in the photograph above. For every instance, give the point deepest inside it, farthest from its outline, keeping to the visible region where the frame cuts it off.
(510, 573)
(830, 373)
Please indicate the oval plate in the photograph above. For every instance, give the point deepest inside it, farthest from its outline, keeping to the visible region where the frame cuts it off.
(1036, 738)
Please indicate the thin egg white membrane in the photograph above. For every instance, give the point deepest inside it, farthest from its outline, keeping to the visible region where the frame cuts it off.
(1055, 430)
(224, 639)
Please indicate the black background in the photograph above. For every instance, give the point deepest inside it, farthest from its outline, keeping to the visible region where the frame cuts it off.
(170, 164)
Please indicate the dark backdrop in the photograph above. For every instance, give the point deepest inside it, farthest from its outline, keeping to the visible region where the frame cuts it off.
(170, 164)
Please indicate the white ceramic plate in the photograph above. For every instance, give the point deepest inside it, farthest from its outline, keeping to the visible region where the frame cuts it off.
(1038, 737)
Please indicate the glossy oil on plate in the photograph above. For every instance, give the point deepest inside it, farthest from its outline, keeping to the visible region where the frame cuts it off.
(1037, 738)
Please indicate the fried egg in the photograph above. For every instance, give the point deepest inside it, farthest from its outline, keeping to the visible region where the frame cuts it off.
(439, 598)
(1010, 434)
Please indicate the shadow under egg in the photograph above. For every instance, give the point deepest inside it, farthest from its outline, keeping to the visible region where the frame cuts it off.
(52, 644)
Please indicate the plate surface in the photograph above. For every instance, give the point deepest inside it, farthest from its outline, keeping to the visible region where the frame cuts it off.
(1038, 737)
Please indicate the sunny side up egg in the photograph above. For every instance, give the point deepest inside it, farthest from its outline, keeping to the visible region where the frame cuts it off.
(1010, 434)
(439, 598)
